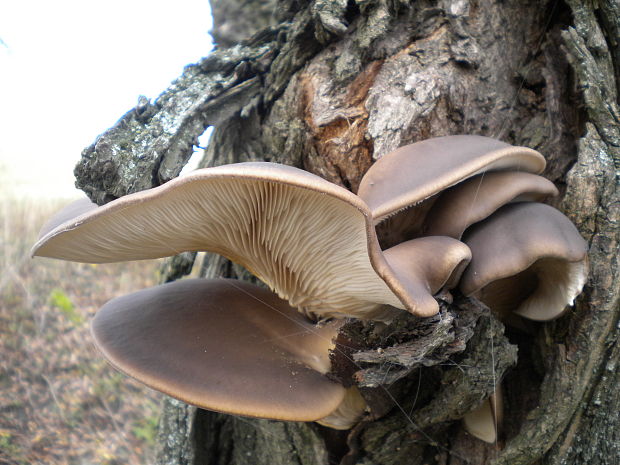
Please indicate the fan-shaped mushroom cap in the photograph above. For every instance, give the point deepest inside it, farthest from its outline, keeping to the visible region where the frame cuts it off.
(311, 241)
(526, 257)
(485, 421)
(415, 172)
(222, 345)
(475, 199)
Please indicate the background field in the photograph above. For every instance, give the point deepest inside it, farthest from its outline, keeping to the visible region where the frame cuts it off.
(60, 403)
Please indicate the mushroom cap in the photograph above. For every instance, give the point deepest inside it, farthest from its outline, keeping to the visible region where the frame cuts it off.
(425, 265)
(311, 241)
(526, 257)
(478, 197)
(415, 172)
(222, 345)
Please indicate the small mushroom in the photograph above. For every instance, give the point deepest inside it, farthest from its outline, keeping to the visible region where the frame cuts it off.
(228, 346)
(423, 266)
(527, 258)
(311, 241)
(485, 421)
(416, 172)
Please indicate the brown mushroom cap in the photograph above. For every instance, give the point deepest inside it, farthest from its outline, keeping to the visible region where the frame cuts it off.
(415, 172)
(222, 345)
(311, 241)
(425, 265)
(475, 199)
(526, 257)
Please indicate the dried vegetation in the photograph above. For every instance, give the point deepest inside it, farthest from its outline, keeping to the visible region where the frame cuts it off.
(60, 403)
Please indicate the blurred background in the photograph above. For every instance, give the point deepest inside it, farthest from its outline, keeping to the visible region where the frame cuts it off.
(68, 71)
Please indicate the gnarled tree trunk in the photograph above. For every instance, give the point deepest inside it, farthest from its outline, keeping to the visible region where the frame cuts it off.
(331, 86)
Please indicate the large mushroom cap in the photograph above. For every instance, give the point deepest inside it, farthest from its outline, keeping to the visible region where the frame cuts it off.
(311, 241)
(415, 172)
(222, 345)
(526, 257)
(477, 198)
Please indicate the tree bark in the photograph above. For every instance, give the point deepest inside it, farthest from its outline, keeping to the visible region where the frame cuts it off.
(331, 86)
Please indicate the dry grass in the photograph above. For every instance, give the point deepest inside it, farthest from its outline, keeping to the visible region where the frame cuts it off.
(60, 403)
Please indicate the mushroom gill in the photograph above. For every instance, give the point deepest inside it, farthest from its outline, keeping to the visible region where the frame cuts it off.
(311, 241)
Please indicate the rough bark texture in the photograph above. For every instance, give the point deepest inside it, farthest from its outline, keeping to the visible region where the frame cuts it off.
(331, 86)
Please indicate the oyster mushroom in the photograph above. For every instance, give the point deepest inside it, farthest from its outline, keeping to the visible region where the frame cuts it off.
(315, 245)
(485, 421)
(228, 346)
(416, 172)
(477, 198)
(311, 241)
(527, 258)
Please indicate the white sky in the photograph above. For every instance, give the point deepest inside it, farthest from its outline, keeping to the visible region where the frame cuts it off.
(69, 69)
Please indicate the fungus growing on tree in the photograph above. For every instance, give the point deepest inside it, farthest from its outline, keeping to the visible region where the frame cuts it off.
(309, 240)
(315, 245)
(527, 258)
(485, 421)
(416, 172)
(228, 346)
(526, 255)
(477, 198)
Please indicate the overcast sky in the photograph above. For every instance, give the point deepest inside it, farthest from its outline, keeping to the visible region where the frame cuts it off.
(69, 69)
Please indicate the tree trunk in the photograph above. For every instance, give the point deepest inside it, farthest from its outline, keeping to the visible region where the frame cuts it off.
(331, 86)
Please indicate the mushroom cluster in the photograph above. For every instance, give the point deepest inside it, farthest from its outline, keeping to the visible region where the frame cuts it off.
(451, 212)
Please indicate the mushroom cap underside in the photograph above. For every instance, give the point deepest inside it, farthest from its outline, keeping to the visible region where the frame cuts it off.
(222, 345)
(415, 172)
(311, 241)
